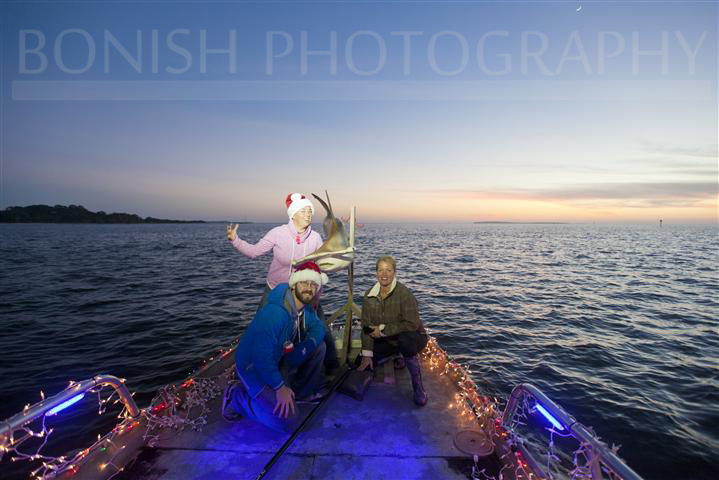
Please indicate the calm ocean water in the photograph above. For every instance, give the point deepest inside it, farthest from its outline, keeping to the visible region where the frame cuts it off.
(618, 324)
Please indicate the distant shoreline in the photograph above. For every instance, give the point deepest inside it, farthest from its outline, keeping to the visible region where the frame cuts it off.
(522, 223)
(76, 214)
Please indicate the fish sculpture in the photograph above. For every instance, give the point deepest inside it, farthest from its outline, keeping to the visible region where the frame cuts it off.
(336, 253)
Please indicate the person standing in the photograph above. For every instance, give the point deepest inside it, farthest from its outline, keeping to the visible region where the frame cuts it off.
(288, 242)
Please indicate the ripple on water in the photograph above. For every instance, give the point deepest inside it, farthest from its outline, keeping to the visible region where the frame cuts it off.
(617, 323)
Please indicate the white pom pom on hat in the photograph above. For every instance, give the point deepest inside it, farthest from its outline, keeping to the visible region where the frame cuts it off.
(296, 202)
(308, 272)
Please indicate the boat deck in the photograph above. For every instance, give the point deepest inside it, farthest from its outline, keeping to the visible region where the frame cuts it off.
(383, 436)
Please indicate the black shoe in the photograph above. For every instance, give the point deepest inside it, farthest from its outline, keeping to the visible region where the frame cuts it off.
(420, 396)
(316, 397)
(229, 413)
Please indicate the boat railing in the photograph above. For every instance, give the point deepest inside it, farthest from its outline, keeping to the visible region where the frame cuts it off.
(565, 424)
(53, 405)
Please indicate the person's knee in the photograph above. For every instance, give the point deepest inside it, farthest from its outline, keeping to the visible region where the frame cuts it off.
(422, 340)
(238, 400)
(407, 344)
(320, 350)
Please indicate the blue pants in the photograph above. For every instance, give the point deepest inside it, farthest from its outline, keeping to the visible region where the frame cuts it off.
(304, 380)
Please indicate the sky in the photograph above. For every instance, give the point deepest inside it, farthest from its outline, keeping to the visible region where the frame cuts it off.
(423, 111)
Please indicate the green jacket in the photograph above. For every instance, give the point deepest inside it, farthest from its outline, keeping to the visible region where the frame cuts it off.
(395, 314)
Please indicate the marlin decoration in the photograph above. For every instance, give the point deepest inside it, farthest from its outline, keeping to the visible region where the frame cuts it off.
(333, 228)
(338, 251)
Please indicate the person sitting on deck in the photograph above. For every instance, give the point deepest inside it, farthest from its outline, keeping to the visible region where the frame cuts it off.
(279, 357)
(391, 325)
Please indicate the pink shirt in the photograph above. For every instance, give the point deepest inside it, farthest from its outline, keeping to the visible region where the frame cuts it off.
(286, 245)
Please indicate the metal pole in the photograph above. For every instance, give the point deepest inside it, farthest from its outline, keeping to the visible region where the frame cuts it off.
(35, 411)
(348, 317)
(599, 450)
(297, 431)
(347, 334)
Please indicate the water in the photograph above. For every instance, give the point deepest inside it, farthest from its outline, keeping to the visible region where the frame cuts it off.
(618, 324)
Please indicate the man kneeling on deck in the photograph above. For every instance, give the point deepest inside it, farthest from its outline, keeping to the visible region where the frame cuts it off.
(391, 325)
(280, 355)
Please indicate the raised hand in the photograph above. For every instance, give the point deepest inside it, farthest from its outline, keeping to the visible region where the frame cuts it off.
(232, 232)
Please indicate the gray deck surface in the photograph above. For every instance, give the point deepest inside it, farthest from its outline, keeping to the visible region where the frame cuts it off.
(383, 436)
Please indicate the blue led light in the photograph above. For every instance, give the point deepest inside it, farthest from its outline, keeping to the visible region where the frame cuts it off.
(65, 404)
(549, 417)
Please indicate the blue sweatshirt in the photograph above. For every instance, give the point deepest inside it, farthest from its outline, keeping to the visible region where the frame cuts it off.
(261, 348)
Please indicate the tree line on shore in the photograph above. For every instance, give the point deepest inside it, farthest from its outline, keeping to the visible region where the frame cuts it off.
(74, 214)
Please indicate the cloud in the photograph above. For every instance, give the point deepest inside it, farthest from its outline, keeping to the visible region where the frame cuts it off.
(680, 164)
(709, 150)
(627, 195)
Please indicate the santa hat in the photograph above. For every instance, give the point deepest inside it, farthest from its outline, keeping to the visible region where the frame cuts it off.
(308, 272)
(296, 202)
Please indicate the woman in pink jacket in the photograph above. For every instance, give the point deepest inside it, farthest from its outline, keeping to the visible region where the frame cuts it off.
(288, 242)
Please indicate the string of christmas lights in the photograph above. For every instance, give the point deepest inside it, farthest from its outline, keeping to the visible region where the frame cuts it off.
(583, 464)
(51, 466)
(468, 401)
(586, 461)
(175, 408)
(166, 410)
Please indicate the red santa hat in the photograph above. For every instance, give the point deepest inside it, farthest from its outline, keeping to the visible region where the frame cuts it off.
(296, 202)
(308, 272)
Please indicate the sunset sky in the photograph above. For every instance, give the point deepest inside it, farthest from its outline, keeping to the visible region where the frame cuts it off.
(507, 111)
